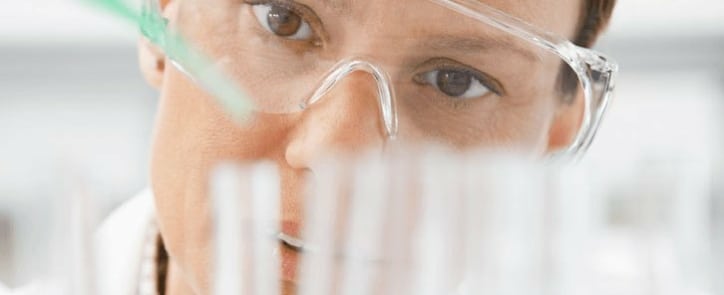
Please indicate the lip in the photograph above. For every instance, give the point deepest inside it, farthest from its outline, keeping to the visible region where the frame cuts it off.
(292, 242)
(290, 248)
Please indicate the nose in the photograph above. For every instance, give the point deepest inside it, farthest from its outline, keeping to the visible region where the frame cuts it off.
(352, 111)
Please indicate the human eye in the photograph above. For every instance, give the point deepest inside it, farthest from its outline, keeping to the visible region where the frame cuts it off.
(285, 19)
(458, 81)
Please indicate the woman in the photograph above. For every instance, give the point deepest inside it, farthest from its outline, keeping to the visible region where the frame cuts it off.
(408, 71)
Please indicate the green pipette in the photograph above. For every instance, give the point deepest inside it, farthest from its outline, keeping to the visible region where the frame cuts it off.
(192, 62)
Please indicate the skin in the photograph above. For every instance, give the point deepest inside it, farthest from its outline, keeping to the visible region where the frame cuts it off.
(192, 133)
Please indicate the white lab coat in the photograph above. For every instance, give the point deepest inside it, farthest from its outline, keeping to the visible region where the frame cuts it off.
(120, 241)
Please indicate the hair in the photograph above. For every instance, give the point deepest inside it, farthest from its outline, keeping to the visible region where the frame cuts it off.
(595, 17)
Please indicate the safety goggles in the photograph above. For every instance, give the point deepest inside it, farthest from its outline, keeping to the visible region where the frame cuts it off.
(453, 71)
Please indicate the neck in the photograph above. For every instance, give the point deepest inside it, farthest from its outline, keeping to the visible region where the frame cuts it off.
(175, 284)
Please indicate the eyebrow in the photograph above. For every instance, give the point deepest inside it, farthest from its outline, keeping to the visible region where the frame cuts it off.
(449, 42)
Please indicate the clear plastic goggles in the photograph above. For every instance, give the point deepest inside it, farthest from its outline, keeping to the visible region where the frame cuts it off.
(453, 71)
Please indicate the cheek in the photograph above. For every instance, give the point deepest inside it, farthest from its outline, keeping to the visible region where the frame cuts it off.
(192, 136)
(528, 128)
(180, 164)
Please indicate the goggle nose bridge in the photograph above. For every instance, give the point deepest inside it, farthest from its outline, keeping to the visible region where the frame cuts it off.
(385, 93)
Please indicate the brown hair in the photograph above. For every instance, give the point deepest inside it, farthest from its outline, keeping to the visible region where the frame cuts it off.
(594, 19)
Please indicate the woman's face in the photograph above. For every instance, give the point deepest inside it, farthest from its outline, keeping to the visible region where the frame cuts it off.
(276, 50)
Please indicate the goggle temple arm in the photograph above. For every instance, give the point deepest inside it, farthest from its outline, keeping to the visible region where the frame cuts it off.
(597, 74)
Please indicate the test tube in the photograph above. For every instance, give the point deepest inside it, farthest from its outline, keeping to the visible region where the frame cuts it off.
(569, 233)
(227, 190)
(321, 219)
(432, 238)
(266, 194)
(246, 223)
(362, 248)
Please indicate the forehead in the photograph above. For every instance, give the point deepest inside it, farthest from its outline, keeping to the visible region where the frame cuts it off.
(558, 16)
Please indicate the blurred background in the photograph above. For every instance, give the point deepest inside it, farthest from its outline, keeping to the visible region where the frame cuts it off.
(71, 92)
